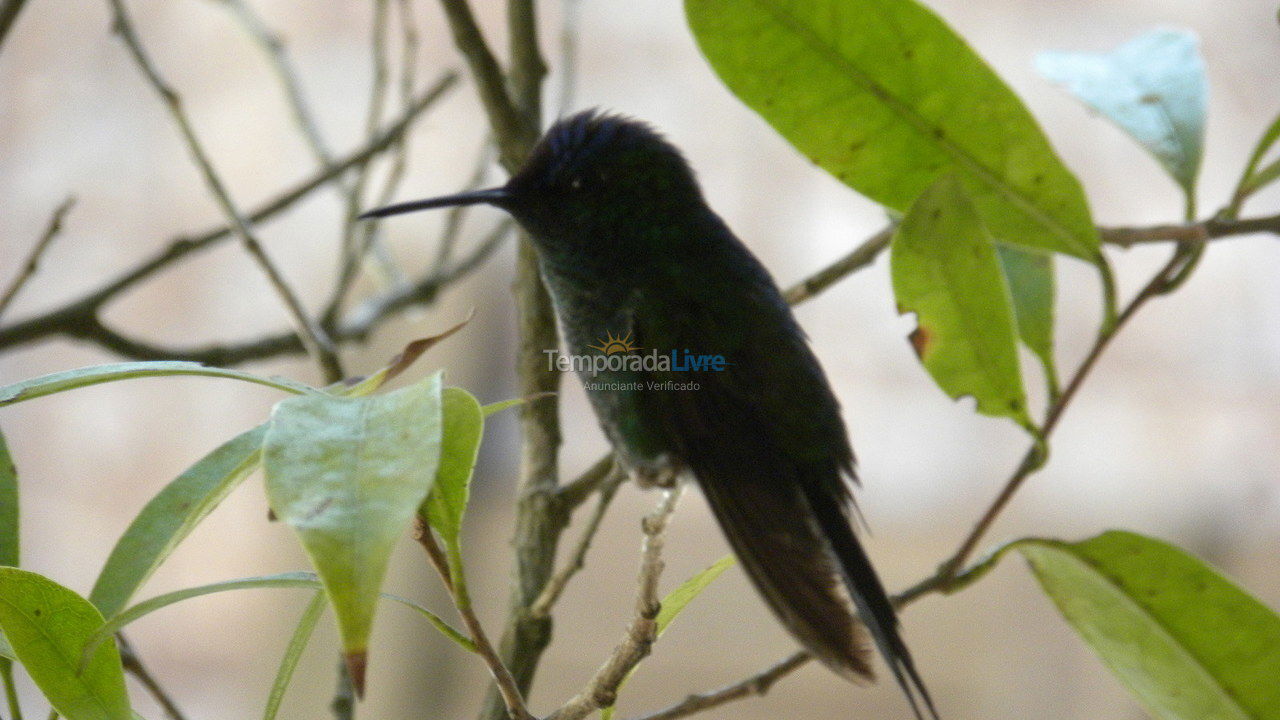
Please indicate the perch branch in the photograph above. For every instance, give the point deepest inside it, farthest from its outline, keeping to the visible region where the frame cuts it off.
(756, 685)
(602, 691)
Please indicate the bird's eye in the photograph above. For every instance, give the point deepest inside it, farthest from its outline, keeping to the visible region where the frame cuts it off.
(576, 183)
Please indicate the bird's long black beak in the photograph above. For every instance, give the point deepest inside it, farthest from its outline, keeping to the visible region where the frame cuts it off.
(498, 196)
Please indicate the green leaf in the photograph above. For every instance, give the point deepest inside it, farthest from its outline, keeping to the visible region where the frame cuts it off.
(677, 600)
(86, 376)
(293, 653)
(1187, 642)
(945, 270)
(8, 507)
(1153, 87)
(463, 426)
(282, 580)
(47, 625)
(1031, 286)
(494, 408)
(886, 97)
(1252, 180)
(170, 516)
(673, 604)
(347, 474)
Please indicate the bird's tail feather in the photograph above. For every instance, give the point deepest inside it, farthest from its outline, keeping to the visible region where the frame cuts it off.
(769, 525)
(868, 593)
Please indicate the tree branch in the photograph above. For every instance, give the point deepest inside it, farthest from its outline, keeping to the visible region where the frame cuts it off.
(313, 337)
(33, 258)
(541, 607)
(756, 685)
(74, 317)
(8, 15)
(602, 691)
(514, 135)
(452, 578)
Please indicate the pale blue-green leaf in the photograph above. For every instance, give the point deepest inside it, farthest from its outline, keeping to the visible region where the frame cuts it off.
(293, 653)
(97, 374)
(347, 474)
(47, 625)
(463, 426)
(1153, 87)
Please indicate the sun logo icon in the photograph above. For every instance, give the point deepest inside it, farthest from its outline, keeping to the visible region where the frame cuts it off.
(614, 344)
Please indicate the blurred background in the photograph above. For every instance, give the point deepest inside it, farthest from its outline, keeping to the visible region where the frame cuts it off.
(1175, 435)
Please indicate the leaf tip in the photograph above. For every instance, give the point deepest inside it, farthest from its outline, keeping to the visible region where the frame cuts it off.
(356, 664)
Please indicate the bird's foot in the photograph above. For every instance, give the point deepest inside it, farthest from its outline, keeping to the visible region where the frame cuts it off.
(658, 475)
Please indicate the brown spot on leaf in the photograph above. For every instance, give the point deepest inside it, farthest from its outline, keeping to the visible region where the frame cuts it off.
(921, 341)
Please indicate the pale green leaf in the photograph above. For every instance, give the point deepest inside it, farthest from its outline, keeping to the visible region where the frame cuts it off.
(97, 374)
(1153, 87)
(282, 580)
(945, 270)
(47, 625)
(1187, 642)
(463, 426)
(673, 604)
(347, 474)
(293, 653)
(9, 537)
(886, 97)
(1029, 275)
(170, 516)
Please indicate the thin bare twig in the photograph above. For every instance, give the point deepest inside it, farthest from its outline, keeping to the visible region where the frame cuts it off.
(79, 318)
(33, 258)
(317, 342)
(602, 690)
(860, 257)
(454, 582)
(756, 685)
(556, 585)
(133, 665)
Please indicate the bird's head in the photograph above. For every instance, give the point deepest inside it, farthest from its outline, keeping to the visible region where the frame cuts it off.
(594, 178)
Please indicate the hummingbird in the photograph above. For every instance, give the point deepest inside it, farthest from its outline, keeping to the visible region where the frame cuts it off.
(629, 249)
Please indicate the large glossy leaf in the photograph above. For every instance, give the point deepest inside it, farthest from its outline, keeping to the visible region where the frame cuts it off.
(1153, 87)
(1187, 642)
(9, 545)
(347, 474)
(945, 270)
(47, 625)
(463, 426)
(170, 516)
(97, 374)
(886, 97)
